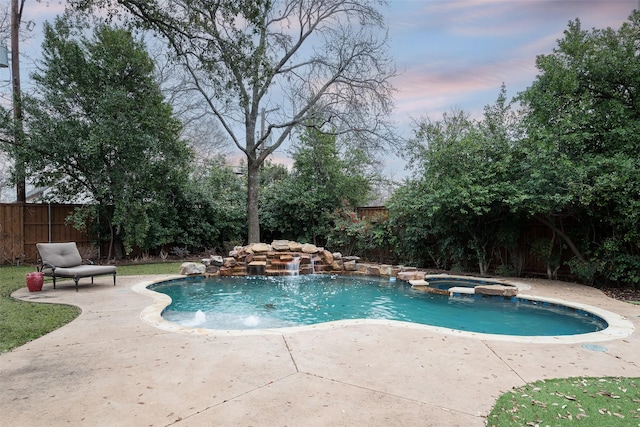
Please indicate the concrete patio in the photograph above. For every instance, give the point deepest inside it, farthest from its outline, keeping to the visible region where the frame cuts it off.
(109, 367)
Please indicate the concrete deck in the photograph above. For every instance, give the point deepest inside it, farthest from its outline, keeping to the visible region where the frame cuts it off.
(109, 367)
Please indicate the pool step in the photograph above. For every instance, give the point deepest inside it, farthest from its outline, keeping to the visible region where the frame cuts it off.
(461, 290)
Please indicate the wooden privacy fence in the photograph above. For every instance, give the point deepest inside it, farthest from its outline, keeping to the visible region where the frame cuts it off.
(368, 212)
(24, 225)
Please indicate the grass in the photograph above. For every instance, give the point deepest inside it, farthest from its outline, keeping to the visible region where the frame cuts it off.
(21, 321)
(589, 402)
(143, 269)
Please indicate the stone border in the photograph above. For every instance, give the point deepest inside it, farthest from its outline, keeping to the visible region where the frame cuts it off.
(484, 286)
(284, 257)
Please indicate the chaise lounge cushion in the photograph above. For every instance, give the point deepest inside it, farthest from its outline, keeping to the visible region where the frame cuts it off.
(81, 270)
(60, 254)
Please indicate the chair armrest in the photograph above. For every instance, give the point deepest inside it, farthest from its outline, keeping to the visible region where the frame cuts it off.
(46, 264)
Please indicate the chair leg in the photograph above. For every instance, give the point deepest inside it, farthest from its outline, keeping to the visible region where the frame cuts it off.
(114, 279)
(76, 279)
(54, 281)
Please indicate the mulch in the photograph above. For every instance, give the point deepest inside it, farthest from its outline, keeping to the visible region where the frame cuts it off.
(623, 294)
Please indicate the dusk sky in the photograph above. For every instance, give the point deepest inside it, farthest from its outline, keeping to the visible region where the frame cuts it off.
(458, 53)
(449, 54)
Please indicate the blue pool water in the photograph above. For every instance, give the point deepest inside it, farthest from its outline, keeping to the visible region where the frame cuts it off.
(274, 302)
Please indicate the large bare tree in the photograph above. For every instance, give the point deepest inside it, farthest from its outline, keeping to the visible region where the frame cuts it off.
(265, 67)
(200, 128)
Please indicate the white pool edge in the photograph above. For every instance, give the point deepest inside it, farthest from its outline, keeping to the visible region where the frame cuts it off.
(618, 326)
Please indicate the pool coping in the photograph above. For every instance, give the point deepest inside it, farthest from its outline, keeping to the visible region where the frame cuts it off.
(618, 326)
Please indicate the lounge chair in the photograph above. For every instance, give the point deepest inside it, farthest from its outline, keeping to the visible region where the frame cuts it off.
(64, 260)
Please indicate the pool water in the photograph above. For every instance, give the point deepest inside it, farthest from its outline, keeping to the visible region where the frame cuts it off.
(274, 302)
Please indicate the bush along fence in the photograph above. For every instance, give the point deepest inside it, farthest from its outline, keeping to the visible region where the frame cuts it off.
(367, 232)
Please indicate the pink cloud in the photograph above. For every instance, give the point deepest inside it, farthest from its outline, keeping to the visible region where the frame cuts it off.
(435, 88)
(468, 48)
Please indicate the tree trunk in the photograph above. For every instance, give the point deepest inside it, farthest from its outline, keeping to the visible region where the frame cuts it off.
(111, 239)
(562, 235)
(253, 184)
(550, 271)
(483, 265)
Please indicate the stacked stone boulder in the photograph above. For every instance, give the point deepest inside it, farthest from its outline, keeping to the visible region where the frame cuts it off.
(285, 257)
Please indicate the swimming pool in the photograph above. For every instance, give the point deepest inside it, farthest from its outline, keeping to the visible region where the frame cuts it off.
(241, 303)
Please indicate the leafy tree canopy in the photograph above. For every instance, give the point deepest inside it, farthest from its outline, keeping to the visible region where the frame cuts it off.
(583, 126)
(300, 206)
(267, 67)
(466, 172)
(99, 130)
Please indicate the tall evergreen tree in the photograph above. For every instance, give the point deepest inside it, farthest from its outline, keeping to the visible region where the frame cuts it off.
(99, 130)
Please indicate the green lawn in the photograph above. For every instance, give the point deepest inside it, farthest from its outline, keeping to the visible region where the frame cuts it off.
(591, 402)
(21, 322)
